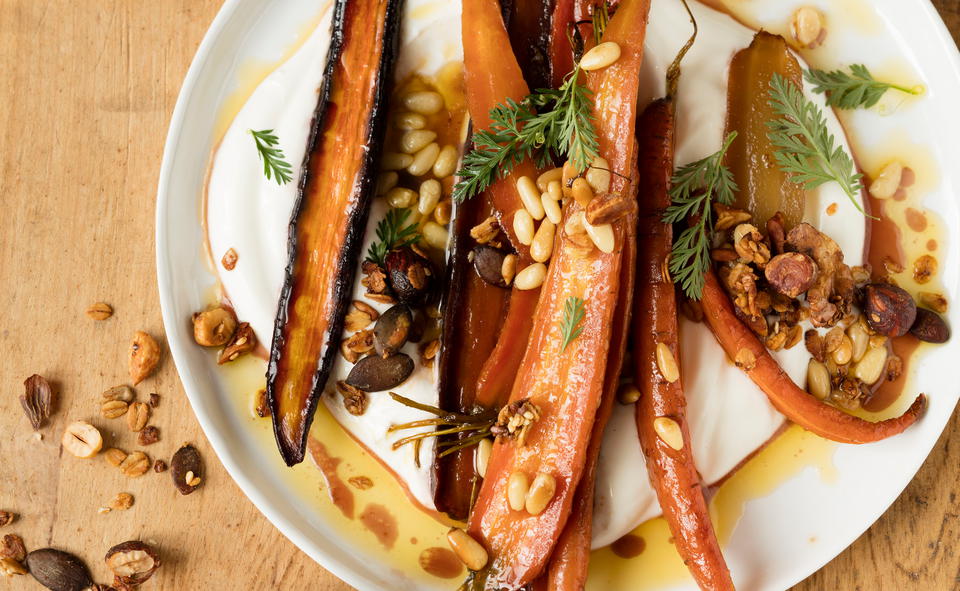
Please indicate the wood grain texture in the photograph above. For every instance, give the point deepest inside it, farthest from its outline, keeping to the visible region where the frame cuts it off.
(87, 96)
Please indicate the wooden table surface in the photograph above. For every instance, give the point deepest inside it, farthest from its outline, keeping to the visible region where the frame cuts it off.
(87, 96)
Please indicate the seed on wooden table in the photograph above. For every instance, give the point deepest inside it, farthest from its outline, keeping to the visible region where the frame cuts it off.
(602, 236)
(115, 456)
(598, 175)
(424, 160)
(542, 245)
(531, 277)
(100, 311)
(395, 161)
(530, 197)
(415, 140)
(581, 191)
(551, 206)
(58, 570)
(135, 465)
(137, 416)
(113, 409)
(541, 493)
(144, 355)
(668, 430)
(148, 436)
(550, 176)
(122, 502)
(424, 102)
(818, 379)
(186, 468)
(82, 439)
(517, 488)
(600, 56)
(667, 363)
(429, 196)
(124, 393)
(468, 550)
(523, 226)
(408, 120)
(446, 163)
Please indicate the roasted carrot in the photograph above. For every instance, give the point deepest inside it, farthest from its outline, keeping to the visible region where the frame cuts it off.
(662, 403)
(742, 346)
(565, 383)
(330, 214)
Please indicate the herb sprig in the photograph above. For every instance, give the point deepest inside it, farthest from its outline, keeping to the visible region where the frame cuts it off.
(600, 19)
(807, 151)
(546, 124)
(274, 165)
(574, 311)
(858, 88)
(392, 234)
(694, 187)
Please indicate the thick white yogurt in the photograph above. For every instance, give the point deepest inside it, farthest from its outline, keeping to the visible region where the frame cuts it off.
(729, 417)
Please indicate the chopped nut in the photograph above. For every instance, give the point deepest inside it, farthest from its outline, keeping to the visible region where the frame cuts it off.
(135, 465)
(729, 217)
(12, 547)
(791, 273)
(113, 409)
(375, 279)
(924, 268)
(794, 334)
(123, 393)
(103, 510)
(382, 298)
(360, 482)
(894, 368)
(357, 345)
(214, 327)
(122, 502)
(428, 352)
(750, 246)
(935, 301)
(515, 421)
(815, 346)
(354, 399)
(229, 260)
(832, 293)
(486, 230)
(357, 320)
(148, 436)
(144, 356)
(100, 311)
(137, 416)
(115, 456)
(261, 406)
(10, 567)
(154, 400)
(7, 517)
(37, 400)
(606, 208)
(159, 466)
(186, 469)
(132, 562)
(81, 439)
(806, 27)
(243, 341)
(778, 339)
(745, 359)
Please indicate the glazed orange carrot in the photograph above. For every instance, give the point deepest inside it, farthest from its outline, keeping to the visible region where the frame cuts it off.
(661, 409)
(802, 408)
(565, 382)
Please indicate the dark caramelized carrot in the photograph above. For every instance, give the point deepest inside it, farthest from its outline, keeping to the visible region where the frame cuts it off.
(816, 416)
(330, 214)
(669, 454)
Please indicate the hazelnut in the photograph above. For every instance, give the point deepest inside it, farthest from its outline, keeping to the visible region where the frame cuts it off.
(791, 273)
(132, 562)
(242, 342)
(82, 439)
(214, 327)
(889, 310)
(930, 327)
(410, 276)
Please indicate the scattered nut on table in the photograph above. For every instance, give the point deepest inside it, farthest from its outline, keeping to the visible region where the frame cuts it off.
(82, 439)
(144, 356)
(132, 562)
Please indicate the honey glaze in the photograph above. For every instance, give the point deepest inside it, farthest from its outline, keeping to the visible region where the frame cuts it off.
(441, 563)
(381, 522)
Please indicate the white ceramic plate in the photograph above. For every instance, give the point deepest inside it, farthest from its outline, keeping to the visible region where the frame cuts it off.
(782, 537)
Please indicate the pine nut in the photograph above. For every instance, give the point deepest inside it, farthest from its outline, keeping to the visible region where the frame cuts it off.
(575, 223)
(446, 163)
(424, 102)
(806, 26)
(401, 197)
(888, 181)
(860, 338)
(551, 206)
(541, 493)
(871, 366)
(745, 359)
(435, 235)
(556, 193)
(481, 457)
(508, 269)
(415, 140)
(628, 394)
(602, 236)
(429, 196)
(523, 226)
(442, 212)
(877, 340)
(598, 175)
(668, 430)
(395, 161)
(469, 551)
(530, 197)
(581, 190)
(554, 174)
(667, 363)
(844, 352)
(424, 159)
(517, 488)
(818, 379)
(407, 121)
(81, 439)
(386, 181)
(542, 246)
(600, 56)
(531, 277)
(569, 173)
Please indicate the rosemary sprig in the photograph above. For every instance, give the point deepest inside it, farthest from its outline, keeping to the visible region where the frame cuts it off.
(858, 88)
(807, 150)
(274, 165)
(547, 124)
(391, 234)
(470, 429)
(693, 188)
(574, 311)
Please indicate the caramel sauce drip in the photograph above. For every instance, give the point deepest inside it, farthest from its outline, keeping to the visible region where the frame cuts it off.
(441, 562)
(629, 546)
(381, 522)
(340, 494)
